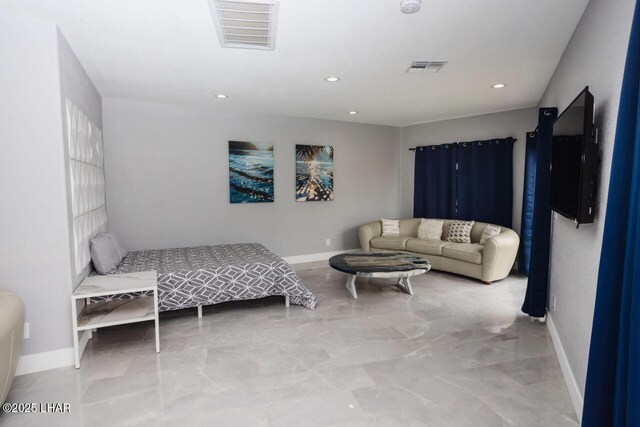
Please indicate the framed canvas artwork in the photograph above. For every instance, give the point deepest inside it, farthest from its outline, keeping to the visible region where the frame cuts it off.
(314, 173)
(250, 172)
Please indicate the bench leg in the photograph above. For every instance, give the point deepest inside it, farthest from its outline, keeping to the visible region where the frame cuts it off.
(199, 312)
(76, 344)
(157, 319)
(286, 301)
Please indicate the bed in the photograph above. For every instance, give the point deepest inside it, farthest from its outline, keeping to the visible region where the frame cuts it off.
(206, 275)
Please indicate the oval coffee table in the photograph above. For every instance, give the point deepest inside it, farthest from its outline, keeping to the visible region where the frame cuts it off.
(391, 265)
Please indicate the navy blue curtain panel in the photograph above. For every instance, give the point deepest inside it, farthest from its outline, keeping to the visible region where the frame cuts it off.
(535, 300)
(526, 224)
(612, 394)
(485, 181)
(434, 194)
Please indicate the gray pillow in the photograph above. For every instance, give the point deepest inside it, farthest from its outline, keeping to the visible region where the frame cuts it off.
(122, 252)
(106, 253)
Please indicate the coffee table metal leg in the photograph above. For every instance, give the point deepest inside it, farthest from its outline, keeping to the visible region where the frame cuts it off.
(404, 283)
(351, 285)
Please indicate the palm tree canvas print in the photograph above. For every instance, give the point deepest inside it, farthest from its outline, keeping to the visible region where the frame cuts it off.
(250, 172)
(314, 173)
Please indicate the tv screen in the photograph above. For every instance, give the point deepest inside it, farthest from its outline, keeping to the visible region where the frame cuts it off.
(574, 161)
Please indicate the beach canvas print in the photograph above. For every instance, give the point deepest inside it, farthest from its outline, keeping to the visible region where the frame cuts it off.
(250, 172)
(314, 173)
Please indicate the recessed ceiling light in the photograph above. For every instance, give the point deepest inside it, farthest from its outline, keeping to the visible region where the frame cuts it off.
(332, 79)
(498, 85)
(221, 96)
(353, 113)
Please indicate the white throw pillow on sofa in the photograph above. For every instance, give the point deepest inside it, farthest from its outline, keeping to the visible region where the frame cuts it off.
(430, 229)
(390, 227)
(488, 232)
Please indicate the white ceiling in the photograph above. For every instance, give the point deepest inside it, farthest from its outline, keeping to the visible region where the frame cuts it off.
(168, 51)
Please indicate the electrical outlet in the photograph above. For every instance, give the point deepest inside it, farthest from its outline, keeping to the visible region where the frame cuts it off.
(553, 303)
(328, 242)
(27, 332)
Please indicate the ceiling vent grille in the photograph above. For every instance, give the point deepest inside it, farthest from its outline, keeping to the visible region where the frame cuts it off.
(426, 66)
(245, 24)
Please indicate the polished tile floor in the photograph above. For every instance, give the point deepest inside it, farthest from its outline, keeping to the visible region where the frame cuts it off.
(457, 353)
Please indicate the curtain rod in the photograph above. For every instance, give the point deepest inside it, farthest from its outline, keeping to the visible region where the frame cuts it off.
(414, 148)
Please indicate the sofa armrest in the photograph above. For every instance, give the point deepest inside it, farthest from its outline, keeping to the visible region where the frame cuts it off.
(11, 339)
(499, 254)
(368, 232)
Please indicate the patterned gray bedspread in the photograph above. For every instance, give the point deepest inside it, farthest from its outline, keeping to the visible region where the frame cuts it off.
(204, 275)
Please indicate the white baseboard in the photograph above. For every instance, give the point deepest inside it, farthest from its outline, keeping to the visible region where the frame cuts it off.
(322, 256)
(572, 385)
(50, 359)
(44, 361)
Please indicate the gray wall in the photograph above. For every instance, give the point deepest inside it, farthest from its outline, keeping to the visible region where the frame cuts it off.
(487, 126)
(76, 86)
(595, 56)
(167, 179)
(39, 71)
(34, 244)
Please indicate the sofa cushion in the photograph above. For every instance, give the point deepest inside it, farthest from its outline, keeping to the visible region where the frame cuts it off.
(390, 227)
(467, 252)
(11, 338)
(426, 246)
(396, 243)
(409, 227)
(489, 231)
(460, 231)
(430, 229)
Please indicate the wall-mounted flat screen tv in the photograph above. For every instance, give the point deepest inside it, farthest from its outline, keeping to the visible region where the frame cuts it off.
(574, 161)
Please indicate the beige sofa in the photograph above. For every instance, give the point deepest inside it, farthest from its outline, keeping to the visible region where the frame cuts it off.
(11, 330)
(489, 262)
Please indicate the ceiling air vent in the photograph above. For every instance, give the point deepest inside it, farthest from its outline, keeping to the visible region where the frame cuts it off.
(245, 24)
(426, 66)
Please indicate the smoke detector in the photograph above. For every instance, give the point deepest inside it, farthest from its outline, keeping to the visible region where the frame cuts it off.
(410, 6)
